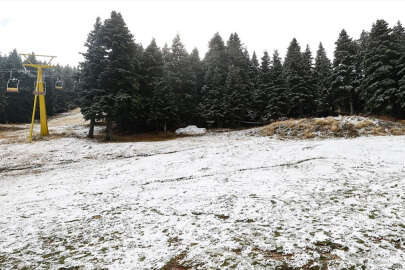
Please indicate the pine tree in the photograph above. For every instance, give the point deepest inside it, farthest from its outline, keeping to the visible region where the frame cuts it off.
(120, 99)
(238, 85)
(310, 80)
(256, 93)
(197, 78)
(276, 92)
(166, 53)
(3, 100)
(236, 97)
(180, 79)
(3, 104)
(361, 44)
(344, 76)
(238, 56)
(254, 71)
(322, 75)
(265, 69)
(299, 93)
(90, 70)
(162, 107)
(152, 80)
(211, 107)
(259, 98)
(398, 35)
(152, 68)
(379, 85)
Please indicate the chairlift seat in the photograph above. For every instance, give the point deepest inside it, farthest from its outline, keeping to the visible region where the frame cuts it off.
(59, 85)
(12, 85)
(12, 90)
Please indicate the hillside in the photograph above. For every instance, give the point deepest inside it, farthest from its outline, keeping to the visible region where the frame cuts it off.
(224, 200)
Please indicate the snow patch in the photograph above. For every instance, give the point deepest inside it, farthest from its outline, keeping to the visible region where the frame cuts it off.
(191, 130)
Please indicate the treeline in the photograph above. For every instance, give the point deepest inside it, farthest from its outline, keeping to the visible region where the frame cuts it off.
(17, 107)
(154, 89)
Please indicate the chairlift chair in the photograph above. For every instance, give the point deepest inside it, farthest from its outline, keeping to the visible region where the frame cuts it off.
(12, 85)
(59, 85)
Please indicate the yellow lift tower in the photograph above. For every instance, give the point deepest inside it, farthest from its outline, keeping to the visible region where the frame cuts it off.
(39, 92)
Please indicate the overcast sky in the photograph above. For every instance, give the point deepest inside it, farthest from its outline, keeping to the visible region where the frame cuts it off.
(61, 27)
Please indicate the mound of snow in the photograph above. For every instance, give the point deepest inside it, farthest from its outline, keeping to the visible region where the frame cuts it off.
(191, 130)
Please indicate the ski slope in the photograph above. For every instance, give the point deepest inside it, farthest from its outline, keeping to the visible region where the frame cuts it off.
(230, 200)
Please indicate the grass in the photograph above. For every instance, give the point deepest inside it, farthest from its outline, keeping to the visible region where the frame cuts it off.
(308, 128)
(364, 124)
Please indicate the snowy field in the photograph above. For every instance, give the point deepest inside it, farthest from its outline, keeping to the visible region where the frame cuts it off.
(227, 200)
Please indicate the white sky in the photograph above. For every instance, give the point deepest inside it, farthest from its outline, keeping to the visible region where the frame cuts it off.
(61, 27)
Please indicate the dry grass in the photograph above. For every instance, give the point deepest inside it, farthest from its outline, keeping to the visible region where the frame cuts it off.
(379, 131)
(329, 121)
(334, 127)
(347, 127)
(308, 134)
(363, 124)
(398, 131)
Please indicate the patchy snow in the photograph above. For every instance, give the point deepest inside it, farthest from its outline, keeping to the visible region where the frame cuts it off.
(191, 130)
(220, 201)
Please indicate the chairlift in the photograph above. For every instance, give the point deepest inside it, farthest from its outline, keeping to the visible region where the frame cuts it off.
(12, 84)
(59, 85)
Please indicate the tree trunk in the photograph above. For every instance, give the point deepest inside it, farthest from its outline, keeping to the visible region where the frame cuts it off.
(165, 127)
(108, 136)
(300, 110)
(91, 129)
(351, 107)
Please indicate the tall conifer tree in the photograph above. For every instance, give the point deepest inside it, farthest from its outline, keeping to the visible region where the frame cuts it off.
(379, 85)
(344, 77)
(299, 93)
(120, 100)
(90, 70)
(277, 102)
(398, 35)
(322, 73)
(215, 72)
(238, 84)
(180, 79)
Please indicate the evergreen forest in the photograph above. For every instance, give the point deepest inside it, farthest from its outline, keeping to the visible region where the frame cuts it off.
(132, 88)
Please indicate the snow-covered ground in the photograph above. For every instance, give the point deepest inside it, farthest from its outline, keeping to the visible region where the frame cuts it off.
(219, 201)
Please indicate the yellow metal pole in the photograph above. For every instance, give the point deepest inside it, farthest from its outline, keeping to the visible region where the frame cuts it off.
(33, 118)
(39, 92)
(42, 105)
